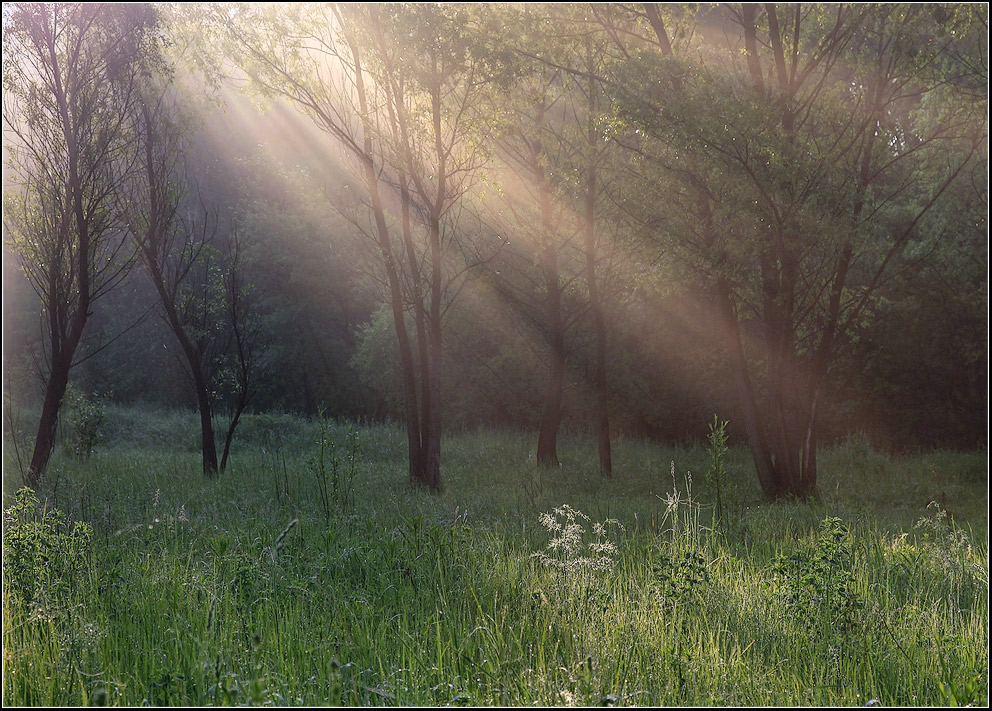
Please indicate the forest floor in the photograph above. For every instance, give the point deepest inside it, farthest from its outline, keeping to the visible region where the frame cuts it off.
(311, 573)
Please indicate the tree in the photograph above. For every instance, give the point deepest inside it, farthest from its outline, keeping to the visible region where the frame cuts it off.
(243, 313)
(795, 177)
(70, 78)
(397, 88)
(530, 151)
(204, 292)
(556, 141)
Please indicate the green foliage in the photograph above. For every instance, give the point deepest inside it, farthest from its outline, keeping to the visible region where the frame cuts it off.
(84, 416)
(679, 561)
(376, 358)
(968, 692)
(236, 595)
(818, 583)
(43, 553)
(680, 576)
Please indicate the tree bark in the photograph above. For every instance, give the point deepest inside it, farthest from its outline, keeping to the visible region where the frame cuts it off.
(554, 389)
(413, 426)
(600, 388)
(44, 443)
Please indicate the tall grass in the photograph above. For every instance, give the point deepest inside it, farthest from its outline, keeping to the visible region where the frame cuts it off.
(199, 592)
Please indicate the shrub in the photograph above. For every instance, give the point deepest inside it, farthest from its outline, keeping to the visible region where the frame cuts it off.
(817, 583)
(43, 554)
(84, 416)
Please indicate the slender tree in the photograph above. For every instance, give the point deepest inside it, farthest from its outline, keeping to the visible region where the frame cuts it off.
(70, 78)
(405, 121)
(201, 280)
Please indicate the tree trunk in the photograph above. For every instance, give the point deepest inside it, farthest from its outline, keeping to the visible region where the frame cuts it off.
(756, 440)
(44, 443)
(64, 345)
(601, 393)
(208, 445)
(432, 422)
(426, 404)
(554, 388)
(551, 413)
(235, 419)
(414, 443)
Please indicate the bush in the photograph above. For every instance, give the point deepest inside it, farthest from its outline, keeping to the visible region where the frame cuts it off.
(43, 554)
(817, 583)
(84, 416)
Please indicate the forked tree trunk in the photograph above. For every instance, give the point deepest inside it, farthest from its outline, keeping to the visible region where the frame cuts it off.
(782, 436)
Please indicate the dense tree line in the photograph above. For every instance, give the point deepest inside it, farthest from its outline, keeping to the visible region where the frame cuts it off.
(619, 218)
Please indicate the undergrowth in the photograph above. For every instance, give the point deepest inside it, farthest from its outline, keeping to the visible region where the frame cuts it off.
(311, 573)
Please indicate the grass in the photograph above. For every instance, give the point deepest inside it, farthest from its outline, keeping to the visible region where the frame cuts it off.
(197, 592)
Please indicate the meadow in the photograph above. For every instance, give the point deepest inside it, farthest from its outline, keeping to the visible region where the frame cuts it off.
(311, 573)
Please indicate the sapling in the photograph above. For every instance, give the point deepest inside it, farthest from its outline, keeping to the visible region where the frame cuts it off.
(718, 454)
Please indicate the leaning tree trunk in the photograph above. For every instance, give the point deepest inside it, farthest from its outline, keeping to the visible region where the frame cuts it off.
(63, 345)
(44, 443)
(389, 261)
(753, 429)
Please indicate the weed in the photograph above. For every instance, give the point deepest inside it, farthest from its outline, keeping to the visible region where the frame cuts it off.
(333, 466)
(43, 554)
(679, 576)
(14, 428)
(818, 583)
(718, 465)
(681, 518)
(281, 541)
(973, 691)
(574, 549)
(938, 530)
(680, 565)
(948, 550)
